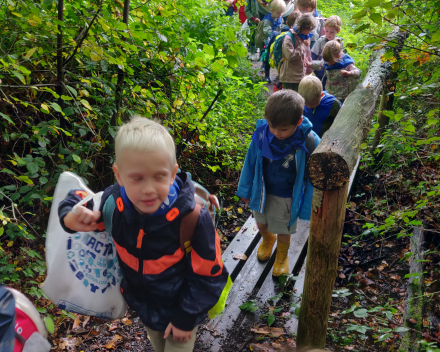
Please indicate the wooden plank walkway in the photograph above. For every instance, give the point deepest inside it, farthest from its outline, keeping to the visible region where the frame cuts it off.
(253, 280)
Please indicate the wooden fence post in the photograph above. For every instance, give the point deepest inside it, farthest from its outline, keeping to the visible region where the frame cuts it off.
(328, 213)
(329, 170)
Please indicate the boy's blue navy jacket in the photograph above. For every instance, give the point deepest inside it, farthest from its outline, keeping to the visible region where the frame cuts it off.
(251, 184)
(159, 282)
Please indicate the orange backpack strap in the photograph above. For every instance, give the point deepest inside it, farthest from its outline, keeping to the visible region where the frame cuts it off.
(187, 227)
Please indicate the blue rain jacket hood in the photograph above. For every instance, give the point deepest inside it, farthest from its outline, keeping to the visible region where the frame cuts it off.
(318, 115)
(343, 62)
(274, 24)
(251, 185)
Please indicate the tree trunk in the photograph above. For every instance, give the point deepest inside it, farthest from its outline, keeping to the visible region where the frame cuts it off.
(121, 73)
(327, 220)
(60, 71)
(414, 297)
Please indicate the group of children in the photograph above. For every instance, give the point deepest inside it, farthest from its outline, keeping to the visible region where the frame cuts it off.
(171, 291)
(273, 179)
(304, 50)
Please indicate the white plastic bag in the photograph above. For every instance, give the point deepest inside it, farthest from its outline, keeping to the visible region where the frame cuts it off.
(83, 274)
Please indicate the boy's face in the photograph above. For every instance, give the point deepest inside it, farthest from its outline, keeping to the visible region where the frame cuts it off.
(146, 177)
(330, 33)
(284, 131)
(313, 104)
(306, 30)
(305, 9)
(276, 15)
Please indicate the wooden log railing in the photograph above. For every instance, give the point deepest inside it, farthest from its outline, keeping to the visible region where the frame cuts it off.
(329, 170)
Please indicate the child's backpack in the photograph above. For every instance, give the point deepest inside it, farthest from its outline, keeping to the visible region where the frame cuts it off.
(276, 50)
(260, 37)
(21, 327)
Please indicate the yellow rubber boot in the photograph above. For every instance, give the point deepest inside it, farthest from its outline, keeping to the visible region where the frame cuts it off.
(281, 265)
(266, 245)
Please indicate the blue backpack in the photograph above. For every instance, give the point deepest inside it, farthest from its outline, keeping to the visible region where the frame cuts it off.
(276, 50)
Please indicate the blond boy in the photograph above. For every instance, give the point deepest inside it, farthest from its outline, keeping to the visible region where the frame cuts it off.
(171, 292)
(320, 107)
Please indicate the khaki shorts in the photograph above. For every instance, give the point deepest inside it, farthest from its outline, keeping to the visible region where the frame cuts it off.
(276, 215)
(169, 345)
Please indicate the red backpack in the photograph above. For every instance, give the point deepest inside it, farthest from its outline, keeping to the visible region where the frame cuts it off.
(21, 327)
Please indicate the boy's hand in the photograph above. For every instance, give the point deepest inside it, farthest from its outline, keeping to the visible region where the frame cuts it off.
(307, 63)
(178, 335)
(257, 20)
(245, 200)
(84, 220)
(345, 73)
(306, 42)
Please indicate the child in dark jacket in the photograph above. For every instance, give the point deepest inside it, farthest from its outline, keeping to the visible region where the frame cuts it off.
(172, 292)
(320, 107)
(273, 179)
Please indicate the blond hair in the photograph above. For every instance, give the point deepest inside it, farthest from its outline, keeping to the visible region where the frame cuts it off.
(332, 50)
(310, 88)
(306, 20)
(306, 3)
(278, 6)
(142, 134)
(292, 18)
(334, 22)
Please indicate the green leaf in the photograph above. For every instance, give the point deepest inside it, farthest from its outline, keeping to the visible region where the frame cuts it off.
(361, 28)
(360, 313)
(30, 53)
(250, 306)
(360, 14)
(384, 337)
(436, 36)
(376, 18)
(19, 76)
(358, 328)
(6, 117)
(86, 104)
(232, 60)
(401, 329)
(25, 179)
(270, 319)
(72, 90)
(43, 180)
(372, 3)
(409, 127)
(65, 97)
(69, 111)
(209, 51)
(32, 167)
(50, 326)
(76, 158)
(56, 107)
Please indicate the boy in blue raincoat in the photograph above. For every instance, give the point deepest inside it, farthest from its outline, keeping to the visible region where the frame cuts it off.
(273, 179)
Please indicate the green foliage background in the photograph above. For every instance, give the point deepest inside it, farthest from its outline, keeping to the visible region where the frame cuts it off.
(174, 57)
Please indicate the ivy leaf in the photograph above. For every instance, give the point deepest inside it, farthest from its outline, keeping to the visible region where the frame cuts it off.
(410, 128)
(43, 180)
